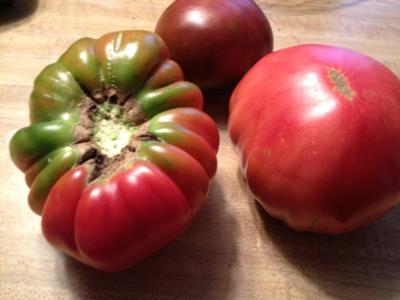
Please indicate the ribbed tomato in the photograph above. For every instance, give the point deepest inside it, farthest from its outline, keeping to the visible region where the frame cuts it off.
(118, 156)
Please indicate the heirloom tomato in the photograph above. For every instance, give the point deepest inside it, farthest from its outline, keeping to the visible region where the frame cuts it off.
(118, 156)
(318, 131)
(215, 42)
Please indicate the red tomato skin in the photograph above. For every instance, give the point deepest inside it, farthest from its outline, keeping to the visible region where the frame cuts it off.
(58, 222)
(135, 213)
(118, 219)
(215, 42)
(321, 156)
(114, 224)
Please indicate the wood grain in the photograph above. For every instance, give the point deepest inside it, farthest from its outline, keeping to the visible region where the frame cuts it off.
(233, 250)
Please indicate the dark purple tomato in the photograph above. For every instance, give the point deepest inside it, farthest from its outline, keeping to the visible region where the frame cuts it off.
(215, 42)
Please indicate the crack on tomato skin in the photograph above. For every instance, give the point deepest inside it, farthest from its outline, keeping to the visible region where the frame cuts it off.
(100, 162)
(91, 153)
(95, 161)
(110, 93)
(131, 149)
(148, 137)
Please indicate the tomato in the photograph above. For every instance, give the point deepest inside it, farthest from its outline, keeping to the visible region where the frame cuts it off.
(215, 42)
(118, 156)
(318, 131)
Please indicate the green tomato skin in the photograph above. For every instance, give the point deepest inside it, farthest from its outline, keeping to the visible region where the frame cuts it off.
(133, 62)
(164, 74)
(111, 209)
(113, 223)
(56, 165)
(127, 58)
(30, 144)
(177, 94)
(81, 60)
(55, 95)
(187, 140)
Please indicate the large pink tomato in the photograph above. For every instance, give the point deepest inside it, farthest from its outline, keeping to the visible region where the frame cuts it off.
(215, 42)
(318, 130)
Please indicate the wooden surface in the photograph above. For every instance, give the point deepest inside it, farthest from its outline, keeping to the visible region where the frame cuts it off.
(233, 250)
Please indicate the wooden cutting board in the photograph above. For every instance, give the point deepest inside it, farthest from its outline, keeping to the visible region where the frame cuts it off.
(233, 250)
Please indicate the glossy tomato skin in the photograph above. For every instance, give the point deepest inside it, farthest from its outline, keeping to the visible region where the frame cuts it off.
(135, 62)
(113, 223)
(111, 210)
(215, 42)
(318, 128)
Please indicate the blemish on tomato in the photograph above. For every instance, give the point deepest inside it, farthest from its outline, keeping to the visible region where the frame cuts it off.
(268, 152)
(341, 83)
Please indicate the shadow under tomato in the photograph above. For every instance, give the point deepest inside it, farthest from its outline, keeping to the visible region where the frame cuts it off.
(15, 11)
(197, 265)
(363, 264)
(216, 105)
